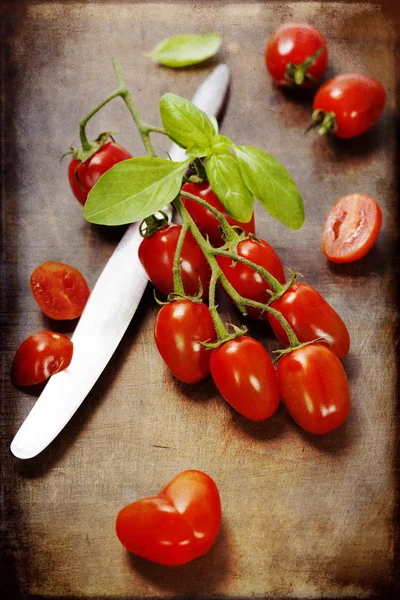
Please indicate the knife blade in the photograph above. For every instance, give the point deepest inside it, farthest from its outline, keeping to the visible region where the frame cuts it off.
(107, 314)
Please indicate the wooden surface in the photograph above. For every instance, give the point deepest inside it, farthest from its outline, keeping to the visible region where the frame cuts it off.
(304, 516)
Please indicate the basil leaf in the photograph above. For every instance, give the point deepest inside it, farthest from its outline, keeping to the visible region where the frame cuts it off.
(224, 176)
(184, 123)
(134, 189)
(184, 50)
(272, 185)
(220, 144)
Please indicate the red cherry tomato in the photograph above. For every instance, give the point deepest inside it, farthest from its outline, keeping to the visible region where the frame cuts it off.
(60, 290)
(247, 282)
(41, 355)
(244, 374)
(348, 104)
(289, 55)
(176, 526)
(313, 386)
(204, 219)
(180, 327)
(310, 317)
(157, 252)
(351, 228)
(82, 177)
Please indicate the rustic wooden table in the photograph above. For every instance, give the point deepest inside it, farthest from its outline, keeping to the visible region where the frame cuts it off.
(304, 516)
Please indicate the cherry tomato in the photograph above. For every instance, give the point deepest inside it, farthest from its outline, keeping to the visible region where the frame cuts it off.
(245, 376)
(348, 105)
(247, 282)
(60, 290)
(310, 317)
(313, 386)
(39, 356)
(180, 327)
(176, 526)
(296, 55)
(351, 228)
(204, 219)
(157, 252)
(82, 177)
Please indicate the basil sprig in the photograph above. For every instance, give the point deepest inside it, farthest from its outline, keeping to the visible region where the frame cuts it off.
(185, 50)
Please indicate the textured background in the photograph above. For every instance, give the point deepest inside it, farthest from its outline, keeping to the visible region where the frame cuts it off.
(303, 516)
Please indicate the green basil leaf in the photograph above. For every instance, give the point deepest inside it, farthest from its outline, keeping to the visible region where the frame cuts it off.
(224, 176)
(184, 50)
(133, 190)
(184, 123)
(271, 185)
(220, 144)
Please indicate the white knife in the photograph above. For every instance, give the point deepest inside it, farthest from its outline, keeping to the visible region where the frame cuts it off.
(107, 314)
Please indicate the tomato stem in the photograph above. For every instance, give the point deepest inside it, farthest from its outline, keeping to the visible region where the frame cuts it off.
(218, 324)
(228, 232)
(176, 269)
(200, 168)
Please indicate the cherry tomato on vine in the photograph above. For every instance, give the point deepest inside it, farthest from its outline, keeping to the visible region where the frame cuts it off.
(83, 176)
(157, 252)
(245, 376)
(296, 54)
(176, 526)
(204, 219)
(310, 317)
(348, 105)
(60, 290)
(246, 281)
(314, 388)
(351, 228)
(180, 327)
(39, 356)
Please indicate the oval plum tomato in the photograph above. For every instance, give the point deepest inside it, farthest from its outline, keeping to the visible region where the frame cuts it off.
(180, 327)
(83, 176)
(39, 356)
(204, 219)
(246, 281)
(157, 252)
(348, 105)
(351, 228)
(176, 526)
(296, 54)
(245, 376)
(60, 290)
(310, 317)
(314, 388)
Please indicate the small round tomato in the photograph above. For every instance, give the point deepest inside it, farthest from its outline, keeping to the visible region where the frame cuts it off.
(204, 219)
(310, 317)
(314, 388)
(245, 376)
(60, 290)
(296, 54)
(157, 252)
(348, 105)
(246, 281)
(176, 526)
(83, 176)
(39, 356)
(180, 327)
(351, 228)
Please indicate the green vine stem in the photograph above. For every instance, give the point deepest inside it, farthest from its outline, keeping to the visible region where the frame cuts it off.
(218, 324)
(229, 232)
(200, 168)
(176, 269)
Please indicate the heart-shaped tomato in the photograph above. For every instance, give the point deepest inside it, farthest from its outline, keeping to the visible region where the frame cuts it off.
(176, 526)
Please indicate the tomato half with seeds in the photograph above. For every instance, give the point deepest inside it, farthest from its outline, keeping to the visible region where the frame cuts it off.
(246, 281)
(245, 376)
(39, 356)
(310, 316)
(348, 105)
(351, 228)
(83, 176)
(60, 290)
(157, 252)
(178, 525)
(313, 386)
(180, 327)
(296, 54)
(204, 219)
